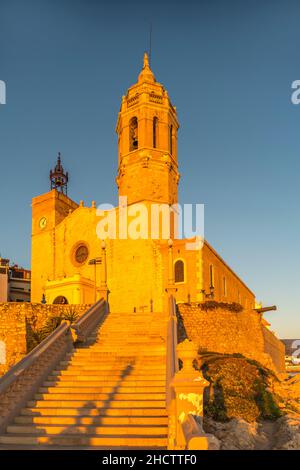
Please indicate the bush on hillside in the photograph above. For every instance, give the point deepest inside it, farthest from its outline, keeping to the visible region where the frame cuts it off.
(239, 388)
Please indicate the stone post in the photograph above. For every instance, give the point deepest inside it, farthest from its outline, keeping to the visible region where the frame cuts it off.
(103, 291)
(188, 385)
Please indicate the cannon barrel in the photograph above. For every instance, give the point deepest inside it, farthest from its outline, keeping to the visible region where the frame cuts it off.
(266, 309)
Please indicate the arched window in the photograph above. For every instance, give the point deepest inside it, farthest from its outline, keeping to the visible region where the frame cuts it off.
(179, 271)
(60, 300)
(155, 131)
(133, 134)
(171, 139)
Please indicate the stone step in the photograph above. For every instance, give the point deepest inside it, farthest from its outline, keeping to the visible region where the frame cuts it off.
(83, 404)
(98, 396)
(142, 326)
(132, 377)
(116, 355)
(86, 365)
(94, 430)
(87, 440)
(125, 349)
(106, 374)
(105, 382)
(93, 420)
(110, 358)
(102, 389)
(90, 412)
(132, 329)
(114, 372)
(125, 345)
(132, 334)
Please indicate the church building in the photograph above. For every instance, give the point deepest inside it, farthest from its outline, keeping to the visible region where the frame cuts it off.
(72, 264)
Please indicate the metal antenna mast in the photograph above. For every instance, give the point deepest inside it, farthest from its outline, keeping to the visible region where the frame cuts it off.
(150, 43)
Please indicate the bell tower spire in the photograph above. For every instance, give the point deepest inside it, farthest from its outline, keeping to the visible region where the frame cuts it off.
(58, 178)
(147, 142)
(146, 73)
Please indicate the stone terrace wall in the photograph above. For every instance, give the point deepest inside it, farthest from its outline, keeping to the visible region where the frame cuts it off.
(224, 331)
(275, 348)
(13, 335)
(18, 320)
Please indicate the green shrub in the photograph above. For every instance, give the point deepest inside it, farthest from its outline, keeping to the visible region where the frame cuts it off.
(37, 336)
(213, 305)
(238, 388)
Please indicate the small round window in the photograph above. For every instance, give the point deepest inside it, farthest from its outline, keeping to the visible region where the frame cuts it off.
(81, 254)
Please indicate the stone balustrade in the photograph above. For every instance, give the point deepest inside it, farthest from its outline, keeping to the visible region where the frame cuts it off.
(19, 384)
(22, 381)
(184, 394)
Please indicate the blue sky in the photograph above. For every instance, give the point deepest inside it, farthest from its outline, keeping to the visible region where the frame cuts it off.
(228, 67)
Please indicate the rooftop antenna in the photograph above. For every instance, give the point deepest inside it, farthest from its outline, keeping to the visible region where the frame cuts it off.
(150, 43)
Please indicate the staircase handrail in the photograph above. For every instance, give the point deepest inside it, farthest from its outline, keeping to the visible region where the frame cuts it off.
(172, 358)
(84, 326)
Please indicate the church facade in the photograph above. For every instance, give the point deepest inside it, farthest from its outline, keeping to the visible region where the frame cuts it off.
(72, 264)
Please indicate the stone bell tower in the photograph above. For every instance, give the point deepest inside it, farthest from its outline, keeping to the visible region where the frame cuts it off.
(147, 140)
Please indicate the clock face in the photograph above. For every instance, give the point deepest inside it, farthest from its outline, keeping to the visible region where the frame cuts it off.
(43, 223)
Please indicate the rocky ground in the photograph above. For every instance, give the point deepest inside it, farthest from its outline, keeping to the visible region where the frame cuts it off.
(248, 407)
(237, 434)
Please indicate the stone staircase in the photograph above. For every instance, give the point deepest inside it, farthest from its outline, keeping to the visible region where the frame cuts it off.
(108, 393)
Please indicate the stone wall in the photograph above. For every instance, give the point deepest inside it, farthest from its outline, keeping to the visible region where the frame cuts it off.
(275, 348)
(224, 331)
(19, 320)
(13, 335)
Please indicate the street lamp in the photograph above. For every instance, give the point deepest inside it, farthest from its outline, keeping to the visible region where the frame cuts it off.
(94, 262)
